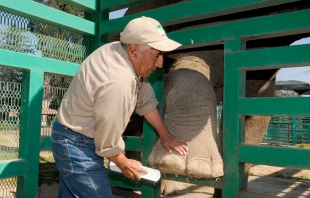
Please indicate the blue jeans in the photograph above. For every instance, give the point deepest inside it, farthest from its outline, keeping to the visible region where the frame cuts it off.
(81, 170)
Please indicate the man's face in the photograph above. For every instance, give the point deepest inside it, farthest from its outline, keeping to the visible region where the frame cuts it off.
(147, 61)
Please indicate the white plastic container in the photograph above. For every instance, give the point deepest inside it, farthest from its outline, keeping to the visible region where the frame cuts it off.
(152, 175)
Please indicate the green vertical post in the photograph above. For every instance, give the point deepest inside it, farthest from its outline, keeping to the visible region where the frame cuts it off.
(149, 139)
(150, 190)
(150, 136)
(294, 131)
(233, 124)
(308, 130)
(96, 17)
(30, 129)
(278, 131)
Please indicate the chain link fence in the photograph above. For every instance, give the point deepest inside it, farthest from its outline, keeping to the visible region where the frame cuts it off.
(10, 96)
(10, 101)
(23, 35)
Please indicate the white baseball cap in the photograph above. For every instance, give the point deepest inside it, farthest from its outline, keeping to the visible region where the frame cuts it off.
(149, 31)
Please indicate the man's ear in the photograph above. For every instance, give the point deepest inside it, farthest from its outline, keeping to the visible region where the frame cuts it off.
(132, 51)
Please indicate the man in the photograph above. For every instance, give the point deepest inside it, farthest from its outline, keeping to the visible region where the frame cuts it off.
(97, 106)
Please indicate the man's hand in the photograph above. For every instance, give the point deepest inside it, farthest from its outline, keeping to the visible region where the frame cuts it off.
(129, 167)
(170, 141)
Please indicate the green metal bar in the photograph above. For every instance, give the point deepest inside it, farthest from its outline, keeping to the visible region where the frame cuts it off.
(90, 6)
(48, 15)
(280, 57)
(12, 168)
(275, 156)
(118, 179)
(157, 80)
(198, 10)
(275, 106)
(308, 131)
(104, 38)
(26, 61)
(96, 18)
(150, 136)
(29, 146)
(96, 41)
(149, 189)
(216, 183)
(233, 124)
(294, 131)
(246, 194)
(120, 4)
(133, 143)
(278, 130)
(202, 36)
(45, 143)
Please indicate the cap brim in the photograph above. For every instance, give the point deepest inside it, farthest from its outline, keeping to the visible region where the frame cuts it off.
(165, 45)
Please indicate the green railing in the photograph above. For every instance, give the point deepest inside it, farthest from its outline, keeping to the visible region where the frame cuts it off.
(35, 39)
(64, 59)
(288, 131)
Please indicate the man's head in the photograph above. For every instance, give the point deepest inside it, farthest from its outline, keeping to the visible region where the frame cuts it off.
(145, 42)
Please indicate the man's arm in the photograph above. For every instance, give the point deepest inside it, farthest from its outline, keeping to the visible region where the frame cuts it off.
(168, 140)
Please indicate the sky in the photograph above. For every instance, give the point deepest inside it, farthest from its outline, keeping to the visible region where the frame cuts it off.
(296, 73)
(117, 13)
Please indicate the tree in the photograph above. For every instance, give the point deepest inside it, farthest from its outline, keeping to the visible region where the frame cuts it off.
(55, 31)
(286, 93)
(10, 75)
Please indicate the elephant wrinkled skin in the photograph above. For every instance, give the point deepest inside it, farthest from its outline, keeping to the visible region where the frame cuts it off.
(190, 113)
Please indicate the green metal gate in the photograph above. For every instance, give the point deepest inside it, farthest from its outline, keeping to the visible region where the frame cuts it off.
(288, 131)
(233, 35)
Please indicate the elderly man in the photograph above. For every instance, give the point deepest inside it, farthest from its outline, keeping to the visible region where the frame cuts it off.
(96, 109)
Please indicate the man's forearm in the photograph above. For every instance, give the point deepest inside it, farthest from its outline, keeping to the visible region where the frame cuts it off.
(155, 119)
(118, 159)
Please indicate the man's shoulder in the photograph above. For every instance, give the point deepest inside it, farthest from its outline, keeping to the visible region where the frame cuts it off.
(113, 46)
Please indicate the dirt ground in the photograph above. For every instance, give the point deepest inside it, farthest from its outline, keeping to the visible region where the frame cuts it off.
(268, 180)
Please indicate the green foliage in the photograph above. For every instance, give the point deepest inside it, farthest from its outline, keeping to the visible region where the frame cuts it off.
(11, 75)
(62, 6)
(7, 125)
(55, 31)
(4, 155)
(286, 93)
(307, 146)
(57, 80)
